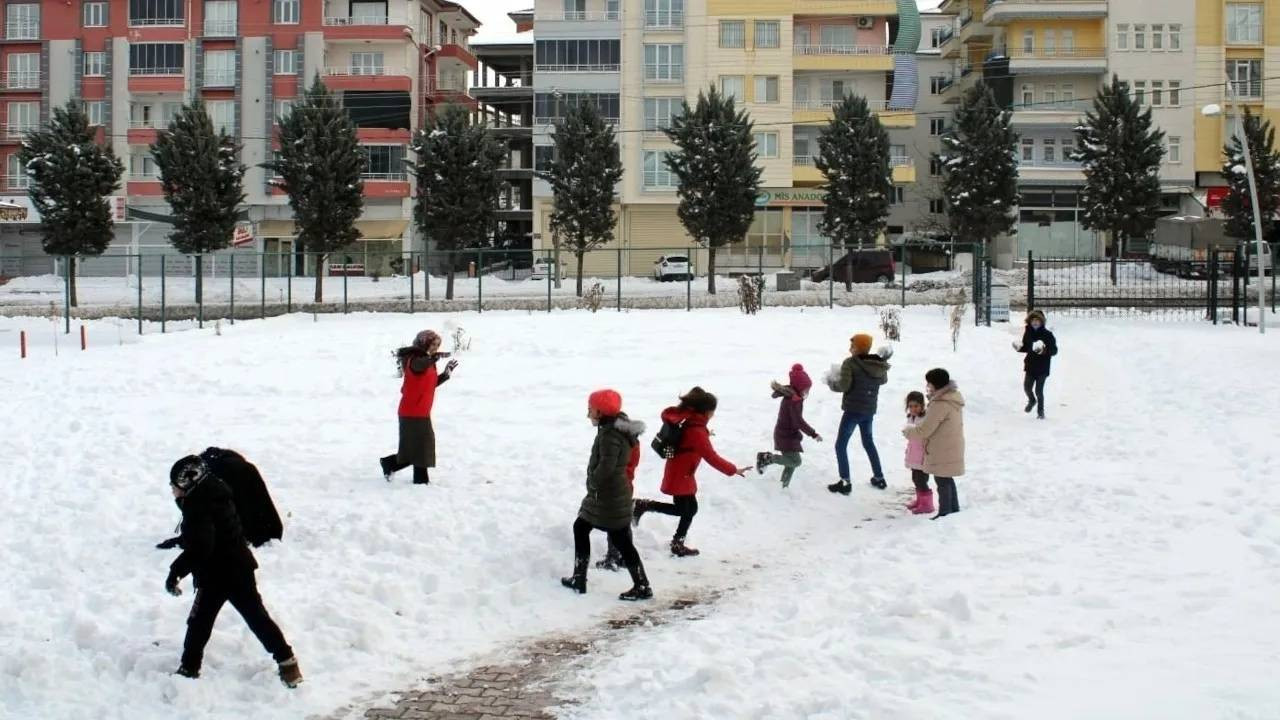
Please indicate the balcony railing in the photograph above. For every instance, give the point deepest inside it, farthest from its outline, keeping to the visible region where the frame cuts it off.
(444, 86)
(365, 71)
(811, 161)
(222, 78)
(659, 20)
(581, 16)
(540, 121)
(1043, 164)
(946, 35)
(17, 182)
(842, 50)
(27, 30)
(385, 176)
(17, 131)
(156, 71)
(1245, 90)
(966, 17)
(219, 28)
(362, 20)
(1054, 106)
(153, 176)
(901, 161)
(831, 103)
(147, 125)
(1055, 53)
(22, 79)
(607, 67)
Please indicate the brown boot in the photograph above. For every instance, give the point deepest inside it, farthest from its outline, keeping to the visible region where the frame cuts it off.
(679, 549)
(290, 673)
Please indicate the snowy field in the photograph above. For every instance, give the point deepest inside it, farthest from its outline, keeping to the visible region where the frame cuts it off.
(1119, 560)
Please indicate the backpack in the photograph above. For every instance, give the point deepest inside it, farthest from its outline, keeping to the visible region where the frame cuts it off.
(258, 517)
(666, 442)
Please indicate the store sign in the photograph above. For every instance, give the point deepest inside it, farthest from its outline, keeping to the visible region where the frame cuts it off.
(782, 197)
(18, 209)
(1215, 195)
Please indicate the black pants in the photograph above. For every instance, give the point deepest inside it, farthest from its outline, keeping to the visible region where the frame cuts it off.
(420, 475)
(921, 480)
(243, 596)
(947, 501)
(684, 506)
(1034, 388)
(619, 538)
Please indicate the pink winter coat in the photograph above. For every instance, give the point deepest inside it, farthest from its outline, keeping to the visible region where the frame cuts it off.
(915, 447)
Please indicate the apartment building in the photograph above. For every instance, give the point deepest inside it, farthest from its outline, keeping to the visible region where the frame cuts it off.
(788, 62)
(135, 62)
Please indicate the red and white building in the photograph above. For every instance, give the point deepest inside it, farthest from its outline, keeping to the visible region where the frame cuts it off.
(135, 62)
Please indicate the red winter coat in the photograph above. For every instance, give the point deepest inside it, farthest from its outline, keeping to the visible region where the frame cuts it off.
(632, 463)
(695, 446)
(418, 391)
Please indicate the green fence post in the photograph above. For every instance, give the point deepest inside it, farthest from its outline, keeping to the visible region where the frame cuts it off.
(262, 273)
(288, 283)
(831, 276)
(232, 260)
(412, 291)
(66, 292)
(139, 293)
(987, 269)
(200, 300)
(550, 270)
(619, 277)
(162, 293)
(480, 281)
(1031, 281)
(688, 281)
(344, 291)
(760, 266)
(426, 273)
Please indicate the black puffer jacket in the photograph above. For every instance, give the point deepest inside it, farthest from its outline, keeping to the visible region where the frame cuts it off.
(860, 379)
(259, 520)
(213, 545)
(1036, 364)
(608, 500)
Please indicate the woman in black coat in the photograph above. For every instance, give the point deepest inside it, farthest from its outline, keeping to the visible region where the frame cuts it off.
(1039, 346)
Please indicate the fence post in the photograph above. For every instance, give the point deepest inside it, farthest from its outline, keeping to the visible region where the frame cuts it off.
(200, 300)
(1212, 283)
(550, 270)
(426, 273)
(831, 276)
(162, 294)
(262, 277)
(66, 292)
(288, 285)
(904, 274)
(139, 293)
(619, 277)
(1031, 281)
(987, 281)
(688, 281)
(232, 275)
(977, 284)
(412, 291)
(480, 280)
(344, 291)
(1235, 286)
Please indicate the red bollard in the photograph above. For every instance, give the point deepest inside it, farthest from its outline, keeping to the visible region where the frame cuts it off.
(82, 338)
(22, 343)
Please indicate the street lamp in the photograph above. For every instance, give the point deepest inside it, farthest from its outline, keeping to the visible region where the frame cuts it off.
(1214, 110)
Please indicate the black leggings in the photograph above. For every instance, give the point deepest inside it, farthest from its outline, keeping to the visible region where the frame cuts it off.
(243, 596)
(1034, 388)
(921, 480)
(619, 538)
(683, 506)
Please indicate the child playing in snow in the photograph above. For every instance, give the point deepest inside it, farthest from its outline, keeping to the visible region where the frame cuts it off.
(942, 431)
(915, 456)
(787, 430)
(859, 379)
(1039, 345)
(417, 365)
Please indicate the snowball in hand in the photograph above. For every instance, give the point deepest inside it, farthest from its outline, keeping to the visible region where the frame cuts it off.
(1038, 346)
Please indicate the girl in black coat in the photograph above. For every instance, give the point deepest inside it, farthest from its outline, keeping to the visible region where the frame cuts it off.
(1039, 346)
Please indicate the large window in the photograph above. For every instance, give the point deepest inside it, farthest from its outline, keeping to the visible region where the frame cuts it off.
(24, 71)
(97, 112)
(766, 88)
(658, 112)
(287, 62)
(1246, 78)
(369, 13)
(768, 34)
(838, 38)
(1244, 24)
(551, 107)
(384, 162)
(1175, 93)
(663, 13)
(733, 86)
(143, 167)
(220, 18)
(664, 63)
(733, 33)
(1175, 37)
(95, 14)
(656, 174)
(156, 59)
(766, 232)
(147, 115)
(17, 178)
(577, 55)
(220, 68)
(284, 108)
(22, 22)
(367, 63)
(157, 12)
(1122, 36)
(95, 64)
(223, 115)
(1173, 149)
(285, 12)
(22, 118)
(766, 144)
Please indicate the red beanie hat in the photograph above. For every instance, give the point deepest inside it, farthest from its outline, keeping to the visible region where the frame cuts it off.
(799, 379)
(606, 402)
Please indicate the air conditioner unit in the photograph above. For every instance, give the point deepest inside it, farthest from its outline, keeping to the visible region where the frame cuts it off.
(866, 23)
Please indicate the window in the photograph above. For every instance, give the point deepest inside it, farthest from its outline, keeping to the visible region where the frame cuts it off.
(24, 71)
(766, 232)
(800, 150)
(22, 22)
(23, 117)
(935, 37)
(1028, 95)
(143, 167)
(1139, 91)
(1122, 36)
(658, 112)
(284, 108)
(369, 13)
(95, 14)
(1068, 94)
(286, 12)
(766, 88)
(1157, 37)
(384, 162)
(937, 84)
(1050, 150)
(1244, 24)
(1050, 96)
(367, 63)
(766, 144)
(896, 152)
(937, 206)
(838, 38)
(17, 175)
(1175, 37)
(286, 62)
(1068, 42)
(800, 35)
(664, 13)
(800, 92)
(768, 34)
(1175, 93)
(157, 12)
(613, 9)
(1140, 37)
(656, 174)
(223, 115)
(1173, 150)
(1050, 42)
(1157, 93)
(733, 33)
(577, 55)
(733, 86)
(1068, 149)
(897, 195)
(832, 92)
(1245, 77)
(937, 126)
(220, 68)
(95, 64)
(549, 108)
(97, 112)
(1028, 42)
(155, 59)
(664, 63)
(935, 166)
(1028, 149)
(543, 156)
(220, 18)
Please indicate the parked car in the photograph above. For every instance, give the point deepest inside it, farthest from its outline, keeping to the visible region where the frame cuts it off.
(867, 266)
(542, 267)
(672, 267)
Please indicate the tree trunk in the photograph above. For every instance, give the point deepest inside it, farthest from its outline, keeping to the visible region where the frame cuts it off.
(320, 278)
(581, 256)
(448, 283)
(848, 278)
(1117, 241)
(711, 269)
(71, 279)
(555, 262)
(199, 279)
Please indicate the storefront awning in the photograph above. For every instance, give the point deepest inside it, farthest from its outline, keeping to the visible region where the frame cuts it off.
(370, 230)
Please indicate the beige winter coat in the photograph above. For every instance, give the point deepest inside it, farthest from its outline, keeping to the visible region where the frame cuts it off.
(942, 430)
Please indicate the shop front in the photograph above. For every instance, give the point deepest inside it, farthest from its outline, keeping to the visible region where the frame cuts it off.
(378, 252)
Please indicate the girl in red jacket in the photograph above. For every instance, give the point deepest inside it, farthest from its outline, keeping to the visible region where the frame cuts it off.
(417, 364)
(693, 413)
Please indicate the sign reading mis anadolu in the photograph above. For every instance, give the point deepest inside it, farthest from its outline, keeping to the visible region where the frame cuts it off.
(783, 197)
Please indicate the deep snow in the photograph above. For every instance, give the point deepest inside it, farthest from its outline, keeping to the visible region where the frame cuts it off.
(1120, 560)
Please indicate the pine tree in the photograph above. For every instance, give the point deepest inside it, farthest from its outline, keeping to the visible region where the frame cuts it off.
(715, 166)
(584, 174)
(853, 155)
(980, 168)
(202, 179)
(456, 166)
(319, 165)
(1238, 205)
(1120, 150)
(71, 177)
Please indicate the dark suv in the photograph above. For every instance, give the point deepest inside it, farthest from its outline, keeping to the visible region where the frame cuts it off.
(867, 266)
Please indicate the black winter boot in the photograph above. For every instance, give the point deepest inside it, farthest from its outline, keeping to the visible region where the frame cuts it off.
(640, 507)
(879, 483)
(844, 487)
(763, 460)
(578, 580)
(640, 589)
(420, 476)
(679, 549)
(612, 560)
(187, 672)
(388, 466)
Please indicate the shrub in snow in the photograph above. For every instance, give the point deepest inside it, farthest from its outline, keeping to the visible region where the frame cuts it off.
(593, 298)
(750, 290)
(891, 323)
(461, 341)
(957, 320)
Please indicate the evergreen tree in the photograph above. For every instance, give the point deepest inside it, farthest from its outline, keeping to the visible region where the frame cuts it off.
(1120, 150)
(202, 178)
(456, 166)
(980, 168)
(853, 155)
(71, 177)
(1238, 205)
(715, 165)
(584, 174)
(319, 165)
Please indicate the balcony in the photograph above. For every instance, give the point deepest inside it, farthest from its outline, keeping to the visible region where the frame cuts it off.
(386, 184)
(663, 21)
(821, 111)
(1002, 12)
(568, 23)
(843, 57)
(804, 171)
(1062, 113)
(457, 55)
(17, 182)
(508, 88)
(579, 16)
(16, 132)
(21, 80)
(1052, 171)
(903, 169)
(824, 8)
(449, 91)
(1032, 61)
(22, 30)
(157, 80)
(365, 27)
(1245, 91)
(219, 28)
(949, 43)
(548, 122)
(366, 77)
(216, 79)
(971, 28)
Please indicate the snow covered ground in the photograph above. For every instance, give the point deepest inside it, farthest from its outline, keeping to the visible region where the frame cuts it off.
(1120, 560)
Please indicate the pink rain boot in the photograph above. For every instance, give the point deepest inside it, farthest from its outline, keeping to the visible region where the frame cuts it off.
(924, 504)
(916, 503)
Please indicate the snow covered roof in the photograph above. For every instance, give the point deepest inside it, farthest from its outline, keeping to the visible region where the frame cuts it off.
(524, 38)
